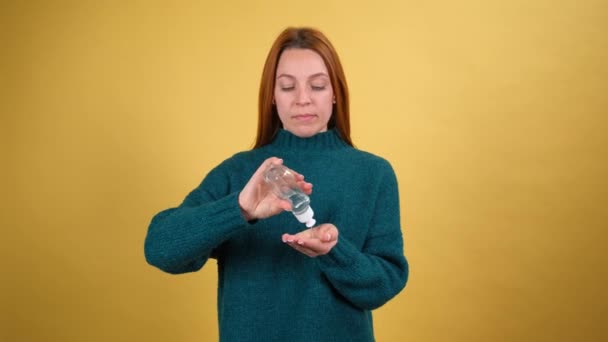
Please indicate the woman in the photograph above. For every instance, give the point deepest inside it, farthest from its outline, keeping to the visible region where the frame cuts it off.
(278, 282)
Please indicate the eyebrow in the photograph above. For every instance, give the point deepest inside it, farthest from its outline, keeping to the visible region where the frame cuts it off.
(309, 77)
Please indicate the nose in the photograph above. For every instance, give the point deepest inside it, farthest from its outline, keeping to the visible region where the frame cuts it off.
(303, 96)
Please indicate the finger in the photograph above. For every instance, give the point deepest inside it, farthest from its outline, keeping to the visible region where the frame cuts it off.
(285, 205)
(252, 188)
(272, 160)
(311, 245)
(301, 249)
(287, 238)
(258, 175)
(298, 175)
(299, 244)
(329, 232)
(305, 186)
(324, 232)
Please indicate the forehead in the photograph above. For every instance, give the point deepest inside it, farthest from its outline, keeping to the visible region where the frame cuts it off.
(300, 63)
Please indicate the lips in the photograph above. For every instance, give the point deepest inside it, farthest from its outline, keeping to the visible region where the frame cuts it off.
(304, 117)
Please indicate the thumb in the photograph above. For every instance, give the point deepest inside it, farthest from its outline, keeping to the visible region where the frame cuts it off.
(284, 204)
(324, 232)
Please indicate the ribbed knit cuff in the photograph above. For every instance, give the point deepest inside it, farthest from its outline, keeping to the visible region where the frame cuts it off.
(343, 254)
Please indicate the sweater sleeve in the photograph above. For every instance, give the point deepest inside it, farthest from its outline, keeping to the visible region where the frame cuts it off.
(369, 276)
(181, 239)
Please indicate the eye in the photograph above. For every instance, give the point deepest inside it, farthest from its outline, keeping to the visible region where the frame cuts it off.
(287, 88)
(318, 88)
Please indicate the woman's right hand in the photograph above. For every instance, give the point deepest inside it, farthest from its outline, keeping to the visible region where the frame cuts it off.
(257, 200)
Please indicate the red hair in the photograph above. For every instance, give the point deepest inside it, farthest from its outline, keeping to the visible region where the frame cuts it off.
(302, 38)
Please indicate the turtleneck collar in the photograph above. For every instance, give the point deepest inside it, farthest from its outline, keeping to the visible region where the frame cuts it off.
(329, 139)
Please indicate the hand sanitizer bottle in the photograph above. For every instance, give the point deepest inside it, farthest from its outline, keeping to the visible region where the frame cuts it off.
(283, 183)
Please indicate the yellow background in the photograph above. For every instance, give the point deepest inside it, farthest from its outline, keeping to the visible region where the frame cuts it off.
(493, 114)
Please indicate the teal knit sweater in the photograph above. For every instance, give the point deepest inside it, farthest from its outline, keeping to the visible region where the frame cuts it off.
(268, 291)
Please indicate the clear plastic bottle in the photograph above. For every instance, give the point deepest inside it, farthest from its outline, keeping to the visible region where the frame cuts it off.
(284, 185)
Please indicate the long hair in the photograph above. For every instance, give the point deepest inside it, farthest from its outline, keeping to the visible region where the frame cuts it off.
(302, 38)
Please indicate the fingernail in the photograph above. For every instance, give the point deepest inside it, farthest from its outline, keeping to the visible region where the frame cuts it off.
(290, 240)
(328, 237)
(300, 242)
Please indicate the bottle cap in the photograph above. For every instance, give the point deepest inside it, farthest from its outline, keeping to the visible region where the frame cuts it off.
(307, 217)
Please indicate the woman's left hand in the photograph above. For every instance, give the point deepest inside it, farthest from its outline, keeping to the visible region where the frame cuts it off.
(315, 241)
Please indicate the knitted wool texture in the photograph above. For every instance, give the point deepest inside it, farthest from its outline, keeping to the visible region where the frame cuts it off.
(268, 291)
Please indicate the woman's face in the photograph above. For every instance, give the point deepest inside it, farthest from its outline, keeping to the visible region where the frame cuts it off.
(303, 93)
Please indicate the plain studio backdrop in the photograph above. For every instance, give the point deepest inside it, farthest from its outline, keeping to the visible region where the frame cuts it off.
(493, 114)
